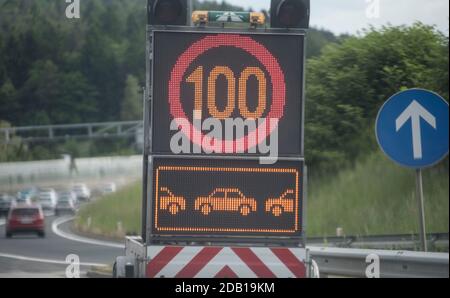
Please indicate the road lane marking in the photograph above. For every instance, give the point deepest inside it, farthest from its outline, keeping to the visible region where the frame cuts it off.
(47, 261)
(61, 220)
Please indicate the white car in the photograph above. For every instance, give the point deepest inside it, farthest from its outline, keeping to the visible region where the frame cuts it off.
(82, 192)
(65, 195)
(48, 199)
(66, 205)
(108, 188)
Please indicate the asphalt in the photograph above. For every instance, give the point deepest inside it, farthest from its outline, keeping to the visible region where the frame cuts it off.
(30, 256)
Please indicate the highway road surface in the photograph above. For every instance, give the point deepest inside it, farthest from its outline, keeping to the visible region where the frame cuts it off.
(29, 256)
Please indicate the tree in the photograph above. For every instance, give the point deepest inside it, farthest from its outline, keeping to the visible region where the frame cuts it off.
(8, 100)
(38, 95)
(350, 81)
(131, 109)
(77, 101)
(317, 40)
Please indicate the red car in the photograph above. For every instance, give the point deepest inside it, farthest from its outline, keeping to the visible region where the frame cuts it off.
(25, 219)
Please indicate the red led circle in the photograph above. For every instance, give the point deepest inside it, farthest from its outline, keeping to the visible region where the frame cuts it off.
(253, 48)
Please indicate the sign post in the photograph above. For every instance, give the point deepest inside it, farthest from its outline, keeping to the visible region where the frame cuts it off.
(412, 129)
(421, 205)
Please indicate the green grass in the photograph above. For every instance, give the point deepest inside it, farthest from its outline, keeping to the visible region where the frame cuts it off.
(105, 214)
(376, 197)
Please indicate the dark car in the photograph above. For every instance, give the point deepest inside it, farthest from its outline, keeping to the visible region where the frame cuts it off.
(25, 219)
(6, 202)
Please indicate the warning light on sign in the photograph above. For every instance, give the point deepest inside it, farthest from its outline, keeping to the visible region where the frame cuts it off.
(167, 12)
(290, 13)
(201, 17)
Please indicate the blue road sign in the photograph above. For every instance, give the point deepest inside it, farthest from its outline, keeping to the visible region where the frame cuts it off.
(413, 128)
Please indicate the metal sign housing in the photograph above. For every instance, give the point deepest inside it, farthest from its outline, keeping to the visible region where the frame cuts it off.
(164, 223)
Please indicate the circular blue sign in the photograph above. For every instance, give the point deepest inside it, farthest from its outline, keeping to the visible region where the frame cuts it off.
(412, 128)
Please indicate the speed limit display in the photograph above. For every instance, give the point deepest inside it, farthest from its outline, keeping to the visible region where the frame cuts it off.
(216, 81)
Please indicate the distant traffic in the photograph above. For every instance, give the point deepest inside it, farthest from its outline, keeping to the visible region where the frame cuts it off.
(25, 211)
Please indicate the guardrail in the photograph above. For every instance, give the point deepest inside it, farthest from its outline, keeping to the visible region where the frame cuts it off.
(436, 241)
(345, 262)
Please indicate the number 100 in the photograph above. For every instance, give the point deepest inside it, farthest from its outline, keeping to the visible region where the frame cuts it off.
(197, 79)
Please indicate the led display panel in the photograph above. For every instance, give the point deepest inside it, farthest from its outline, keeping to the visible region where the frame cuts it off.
(202, 77)
(226, 197)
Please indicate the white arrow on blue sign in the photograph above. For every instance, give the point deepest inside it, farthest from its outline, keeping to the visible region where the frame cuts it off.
(413, 128)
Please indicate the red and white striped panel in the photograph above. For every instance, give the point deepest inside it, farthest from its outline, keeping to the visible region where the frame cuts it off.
(225, 262)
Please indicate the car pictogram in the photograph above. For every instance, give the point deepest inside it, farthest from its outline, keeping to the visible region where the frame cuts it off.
(283, 204)
(168, 201)
(226, 199)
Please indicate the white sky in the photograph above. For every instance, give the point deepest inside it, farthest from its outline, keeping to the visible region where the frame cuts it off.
(349, 16)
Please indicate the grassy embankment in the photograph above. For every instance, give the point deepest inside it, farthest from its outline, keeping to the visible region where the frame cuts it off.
(375, 197)
(114, 215)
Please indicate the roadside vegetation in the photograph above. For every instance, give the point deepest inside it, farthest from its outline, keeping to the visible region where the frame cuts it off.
(377, 197)
(114, 215)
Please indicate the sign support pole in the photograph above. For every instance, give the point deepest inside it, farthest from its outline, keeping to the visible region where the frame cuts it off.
(420, 201)
(190, 10)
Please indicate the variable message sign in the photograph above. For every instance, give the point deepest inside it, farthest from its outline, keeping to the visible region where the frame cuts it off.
(227, 93)
(224, 197)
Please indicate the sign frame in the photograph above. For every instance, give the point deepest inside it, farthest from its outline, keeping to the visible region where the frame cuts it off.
(212, 30)
(148, 155)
